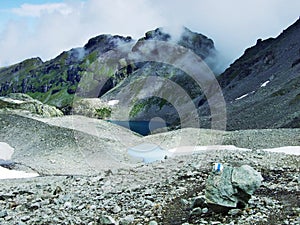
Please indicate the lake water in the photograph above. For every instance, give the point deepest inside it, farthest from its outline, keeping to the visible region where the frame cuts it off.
(141, 127)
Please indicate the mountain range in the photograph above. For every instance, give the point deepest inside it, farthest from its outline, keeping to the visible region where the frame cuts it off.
(261, 89)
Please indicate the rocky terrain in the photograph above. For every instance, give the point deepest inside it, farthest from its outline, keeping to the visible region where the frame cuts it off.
(86, 173)
(260, 88)
(73, 144)
(23, 102)
(56, 81)
(86, 177)
(158, 193)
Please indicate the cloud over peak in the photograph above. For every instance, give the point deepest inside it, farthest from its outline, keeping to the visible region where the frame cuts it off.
(47, 29)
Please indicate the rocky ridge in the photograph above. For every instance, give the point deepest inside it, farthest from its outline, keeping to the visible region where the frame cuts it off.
(263, 82)
(55, 82)
(261, 88)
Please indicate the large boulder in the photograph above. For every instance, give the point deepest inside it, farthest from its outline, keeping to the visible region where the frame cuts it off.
(93, 107)
(231, 187)
(19, 101)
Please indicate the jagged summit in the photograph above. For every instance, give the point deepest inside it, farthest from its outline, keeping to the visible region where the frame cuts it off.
(261, 88)
(55, 81)
(199, 43)
(106, 42)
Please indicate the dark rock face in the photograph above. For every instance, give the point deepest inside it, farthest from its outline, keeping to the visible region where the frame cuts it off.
(104, 43)
(261, 88)
(7, 164)
(198, 43)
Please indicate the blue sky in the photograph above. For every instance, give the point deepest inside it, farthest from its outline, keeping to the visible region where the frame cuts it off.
(45, 28)
(7, 5)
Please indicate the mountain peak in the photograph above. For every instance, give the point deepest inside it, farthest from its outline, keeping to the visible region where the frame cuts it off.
(198, 43)
(106, 42)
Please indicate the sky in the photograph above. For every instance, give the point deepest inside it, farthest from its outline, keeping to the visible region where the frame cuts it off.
(45, 28)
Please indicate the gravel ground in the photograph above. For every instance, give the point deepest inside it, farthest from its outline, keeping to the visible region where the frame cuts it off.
(87, 179)
(160, 192)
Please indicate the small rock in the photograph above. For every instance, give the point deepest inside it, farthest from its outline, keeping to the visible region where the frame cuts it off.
(190, 174)
(205, 210)
(149, 191)
(147, 213)
(21, 223)
(127, 220)
(3, 214)
(92, 207)
(68, 205)
(81, 207)
(107, 220)
(57, 190)
(153, 222)
(268, 201)
(215, 222)
(25, 218)
(184, 202)
(234, 212)
(198, 201)
(35, 206)
(196, 212)
(116, 209)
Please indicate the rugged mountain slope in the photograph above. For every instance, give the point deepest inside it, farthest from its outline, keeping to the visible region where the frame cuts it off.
(54, 82)
(262, 87)
(157, 87)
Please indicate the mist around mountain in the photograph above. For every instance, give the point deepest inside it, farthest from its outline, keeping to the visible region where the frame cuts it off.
(83, 164)
(260, 89)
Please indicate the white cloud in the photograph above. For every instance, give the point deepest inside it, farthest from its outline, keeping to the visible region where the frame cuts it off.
(32, 10)
(46, 30)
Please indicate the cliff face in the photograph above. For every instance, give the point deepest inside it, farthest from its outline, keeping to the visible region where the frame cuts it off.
(262, 87)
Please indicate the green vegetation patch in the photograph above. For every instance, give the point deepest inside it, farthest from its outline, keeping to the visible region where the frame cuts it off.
(103, 113)
(146, 104)
(137, 108)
